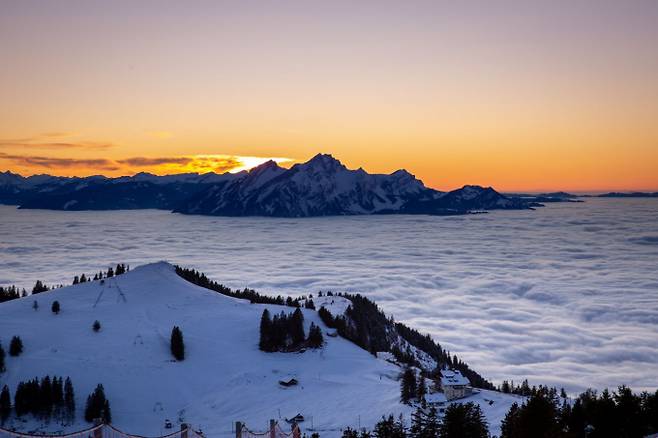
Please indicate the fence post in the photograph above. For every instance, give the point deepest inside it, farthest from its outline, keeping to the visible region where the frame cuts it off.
(272, 426)
(238, 429)
(183, 430)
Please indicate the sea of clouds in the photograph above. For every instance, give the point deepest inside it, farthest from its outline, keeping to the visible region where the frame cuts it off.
(566, 295)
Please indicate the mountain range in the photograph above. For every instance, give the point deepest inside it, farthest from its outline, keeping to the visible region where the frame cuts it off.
(322, 186)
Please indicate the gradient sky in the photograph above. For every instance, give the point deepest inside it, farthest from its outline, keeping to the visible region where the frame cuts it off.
(522, 95)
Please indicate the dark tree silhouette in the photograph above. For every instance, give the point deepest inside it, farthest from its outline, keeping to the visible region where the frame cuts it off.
(177, 344)
(265, 343)
(463, 421)
(408, 386)
(2, 360)
(98, 406)
(315, 339)
(15, 346)
(55, 307)
(5, 404)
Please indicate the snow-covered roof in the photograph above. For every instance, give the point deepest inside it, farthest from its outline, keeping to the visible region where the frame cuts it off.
(436, 397)
(453, 378)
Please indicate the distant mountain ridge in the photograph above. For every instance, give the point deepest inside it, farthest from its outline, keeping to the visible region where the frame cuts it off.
(322, 186)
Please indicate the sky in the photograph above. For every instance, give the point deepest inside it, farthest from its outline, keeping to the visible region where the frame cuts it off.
(518, 95)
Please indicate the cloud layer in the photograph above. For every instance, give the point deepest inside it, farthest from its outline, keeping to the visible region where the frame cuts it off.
(53, 141)
(565, 295)
(158, 165)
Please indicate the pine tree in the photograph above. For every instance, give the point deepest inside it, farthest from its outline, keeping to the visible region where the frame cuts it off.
(69, 400)
(5, 404)
(431, 423)
(297, 327)
(350, 433)
(265, 343)
(96, 326)
(15, 346)
(2, 360)
(45, 397)
(408, 386)
(35, 305)
(55, 307)
(39, 287)
(464, 421)
(421, 389)
(98, 406)
(418, 423)
(83, 278)
(390, 428)
(326, 317)
(177, 344)
(315, 339)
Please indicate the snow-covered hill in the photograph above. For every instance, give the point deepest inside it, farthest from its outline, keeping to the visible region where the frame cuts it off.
(224, 377)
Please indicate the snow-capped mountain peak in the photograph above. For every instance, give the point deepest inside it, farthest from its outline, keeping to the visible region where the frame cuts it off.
(322, 186)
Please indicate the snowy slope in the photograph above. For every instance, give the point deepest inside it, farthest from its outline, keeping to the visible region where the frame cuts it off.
(224, 377)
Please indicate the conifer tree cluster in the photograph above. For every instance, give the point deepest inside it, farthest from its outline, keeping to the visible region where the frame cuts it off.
(463, 420)
(177, 344)
(424, 423)
(315, 338)
(39, 287)
(96, 326)
(111, 272)
(98, 406)
(460, 421)
(200, 279)
(390, 427)
(412, 388)
(80, 279)
(9, 293)
(618, 414)
(286, 332)
(46, 398)
(15, 346)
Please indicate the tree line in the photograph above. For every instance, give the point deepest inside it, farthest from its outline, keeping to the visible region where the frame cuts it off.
(464, 420)
(9, 293)
(200, 279)
(51, 398)
(45, 399)
(621, 413)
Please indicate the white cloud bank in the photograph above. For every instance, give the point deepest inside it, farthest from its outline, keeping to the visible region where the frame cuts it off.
(566, 295)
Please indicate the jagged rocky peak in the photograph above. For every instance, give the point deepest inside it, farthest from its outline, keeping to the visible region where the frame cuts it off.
(264, 167)
(325, 162)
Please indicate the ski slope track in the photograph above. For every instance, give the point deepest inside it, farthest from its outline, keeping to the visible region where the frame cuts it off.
(224, 377)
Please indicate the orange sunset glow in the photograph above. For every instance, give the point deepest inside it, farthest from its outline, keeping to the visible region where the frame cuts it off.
(511, 95)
